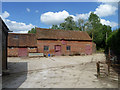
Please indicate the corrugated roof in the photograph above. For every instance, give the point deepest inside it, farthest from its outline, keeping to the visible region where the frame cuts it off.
(61, 34)
(22, 40)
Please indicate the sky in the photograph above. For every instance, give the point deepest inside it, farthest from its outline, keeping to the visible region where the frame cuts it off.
(22, 16)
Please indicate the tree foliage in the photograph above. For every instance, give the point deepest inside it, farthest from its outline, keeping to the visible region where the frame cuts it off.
(98, 32)
(102, 35)
(69, 24)
(81, 24)
(114, 41)
(33, 30)
(93, 26)
(55, 27)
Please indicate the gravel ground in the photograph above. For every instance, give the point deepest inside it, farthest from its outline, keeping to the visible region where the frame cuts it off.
(56, 72)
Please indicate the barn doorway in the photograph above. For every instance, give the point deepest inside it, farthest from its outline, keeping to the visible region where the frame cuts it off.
(88, 50)
(22, 52)
(57, 50)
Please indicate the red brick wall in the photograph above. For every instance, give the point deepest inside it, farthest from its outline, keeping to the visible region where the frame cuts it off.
(76, 46)
(94, 48)
(32, 50)
(12, 51)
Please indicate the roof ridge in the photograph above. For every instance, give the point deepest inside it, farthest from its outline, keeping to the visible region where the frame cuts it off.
(59, 34)
(22, 33)
(59, 29)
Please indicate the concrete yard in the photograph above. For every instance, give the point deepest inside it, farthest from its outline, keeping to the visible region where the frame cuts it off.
(56, 72)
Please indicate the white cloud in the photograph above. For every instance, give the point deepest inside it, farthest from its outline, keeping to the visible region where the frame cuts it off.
(105, 1)
(54, 18)
(83, 16)
(21, 32)
(28, 9)
(107, 22)
(36, 11)
(5, 14)
(105, 10)
(16, 26)
(58, 17)
(110, 2)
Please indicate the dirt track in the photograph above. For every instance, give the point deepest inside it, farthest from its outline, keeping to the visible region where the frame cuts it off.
(55, 72)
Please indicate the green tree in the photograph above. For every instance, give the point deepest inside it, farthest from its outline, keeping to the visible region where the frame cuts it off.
(55, 27)
(114, 41)
(81, 24)
(62, 26)
(106, 33)
(95, 29)
(87, 26)
(95, 20)
(98, 32)
(68, 24)
(33, 30)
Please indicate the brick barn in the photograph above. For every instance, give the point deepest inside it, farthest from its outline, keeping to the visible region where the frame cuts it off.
(63, 42)
(21, 44)
(50, 42)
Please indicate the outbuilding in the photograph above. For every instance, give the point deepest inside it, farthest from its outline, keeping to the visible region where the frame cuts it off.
(3, 44)
(63, 42)
(20, 45)
(50, 42)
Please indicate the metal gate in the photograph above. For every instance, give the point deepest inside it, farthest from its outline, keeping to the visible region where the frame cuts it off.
(22, 52)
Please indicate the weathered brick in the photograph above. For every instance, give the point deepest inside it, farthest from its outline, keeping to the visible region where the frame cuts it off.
(12, 51)
(76, 46)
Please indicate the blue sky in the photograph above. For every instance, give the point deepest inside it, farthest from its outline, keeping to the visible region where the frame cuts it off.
(22, 16)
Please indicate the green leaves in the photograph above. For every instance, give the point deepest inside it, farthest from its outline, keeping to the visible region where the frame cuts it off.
(33, 30)
(95, 29)
(98, 31)
(81, 24)
(69, 24)
(114, 41)
(55, 27)
(94, 19)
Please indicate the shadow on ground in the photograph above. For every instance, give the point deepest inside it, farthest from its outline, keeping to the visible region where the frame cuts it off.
(17, 75)
(114, 63)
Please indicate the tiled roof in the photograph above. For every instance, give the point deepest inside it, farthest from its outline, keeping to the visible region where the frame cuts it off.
(62, 34)
(22, 40)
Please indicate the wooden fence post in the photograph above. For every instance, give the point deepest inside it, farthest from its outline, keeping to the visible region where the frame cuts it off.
(109, 68)
(98, 69)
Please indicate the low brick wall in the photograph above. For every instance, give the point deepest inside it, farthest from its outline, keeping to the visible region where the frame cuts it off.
(32, 50)
(12, 52)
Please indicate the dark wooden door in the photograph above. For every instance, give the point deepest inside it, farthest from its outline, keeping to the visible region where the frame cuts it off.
(22, 52)
(88, 50)
(57, 50)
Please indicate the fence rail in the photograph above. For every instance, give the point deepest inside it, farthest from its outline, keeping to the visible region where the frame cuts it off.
(108, 68)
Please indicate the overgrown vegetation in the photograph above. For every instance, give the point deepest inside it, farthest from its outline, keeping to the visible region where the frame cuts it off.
(114, 41)
(102, 35)
(33, 30)
(95, 29)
